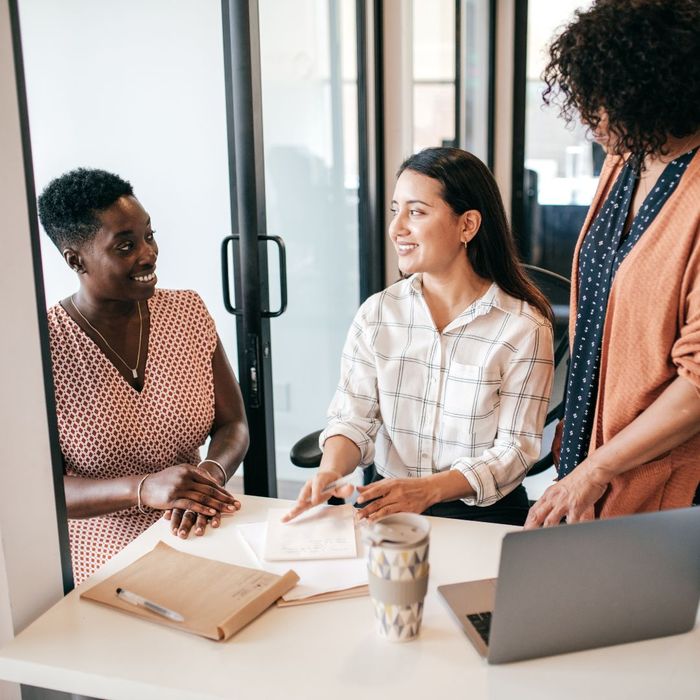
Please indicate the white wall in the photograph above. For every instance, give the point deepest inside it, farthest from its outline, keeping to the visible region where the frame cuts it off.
(137, 88)
(30, 574)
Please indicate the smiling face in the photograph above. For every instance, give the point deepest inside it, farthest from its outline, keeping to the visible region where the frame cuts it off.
(118, 264)
(428, 236)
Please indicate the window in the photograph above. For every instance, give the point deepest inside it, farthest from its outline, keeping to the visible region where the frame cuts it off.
(561, 162)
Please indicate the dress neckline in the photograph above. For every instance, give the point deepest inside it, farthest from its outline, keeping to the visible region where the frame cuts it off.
(105, 359)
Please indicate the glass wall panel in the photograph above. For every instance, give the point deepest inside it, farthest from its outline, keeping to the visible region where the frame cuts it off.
(475, 78)
(309, 96)
(561, 163)
(560, 178)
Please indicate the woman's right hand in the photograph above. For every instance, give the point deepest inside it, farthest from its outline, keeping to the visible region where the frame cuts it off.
(316, 491)
(185, 487)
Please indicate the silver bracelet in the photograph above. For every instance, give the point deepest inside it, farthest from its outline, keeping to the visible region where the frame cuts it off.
(138, 494)
(223, 471)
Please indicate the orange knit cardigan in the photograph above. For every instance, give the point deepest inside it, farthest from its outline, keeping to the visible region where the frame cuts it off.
(651, 335)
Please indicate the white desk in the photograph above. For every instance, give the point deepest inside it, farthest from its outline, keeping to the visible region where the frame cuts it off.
(327, 650)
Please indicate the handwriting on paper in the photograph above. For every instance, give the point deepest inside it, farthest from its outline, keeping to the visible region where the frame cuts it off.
(324, 533)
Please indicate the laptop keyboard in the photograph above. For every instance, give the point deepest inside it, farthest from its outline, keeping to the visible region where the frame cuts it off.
(482, 624)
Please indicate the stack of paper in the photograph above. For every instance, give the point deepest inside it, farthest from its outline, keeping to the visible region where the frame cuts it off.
(321, 546)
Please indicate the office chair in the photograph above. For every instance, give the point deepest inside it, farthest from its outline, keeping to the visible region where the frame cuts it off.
(306, 453)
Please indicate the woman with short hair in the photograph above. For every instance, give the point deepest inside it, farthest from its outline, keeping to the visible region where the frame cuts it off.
(140, 378)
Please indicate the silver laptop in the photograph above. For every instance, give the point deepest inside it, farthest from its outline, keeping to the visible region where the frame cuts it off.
(583, 586)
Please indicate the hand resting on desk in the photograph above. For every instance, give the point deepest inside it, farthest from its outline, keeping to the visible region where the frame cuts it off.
(394, 496)
(199, 507)
(182, 521)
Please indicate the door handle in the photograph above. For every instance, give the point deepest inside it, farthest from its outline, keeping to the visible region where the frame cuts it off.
(225, 277)
(283, 276)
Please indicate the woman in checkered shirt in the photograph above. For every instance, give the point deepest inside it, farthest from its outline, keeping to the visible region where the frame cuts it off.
(445, 375)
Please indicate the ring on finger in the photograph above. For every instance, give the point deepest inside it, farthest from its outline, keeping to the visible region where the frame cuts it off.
(190, 513)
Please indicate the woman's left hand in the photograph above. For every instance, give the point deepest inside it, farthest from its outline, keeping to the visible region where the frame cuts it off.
(183, 521)
(569, 498)
(394, 496)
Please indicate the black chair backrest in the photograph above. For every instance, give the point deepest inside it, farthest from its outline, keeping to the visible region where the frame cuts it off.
(557, 289)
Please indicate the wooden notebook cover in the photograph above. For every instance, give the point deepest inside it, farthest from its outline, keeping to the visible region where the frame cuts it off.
(215, 598)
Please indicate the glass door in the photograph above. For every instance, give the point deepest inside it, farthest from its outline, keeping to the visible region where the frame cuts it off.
(310, 134)
(294, 140)
(136, 88)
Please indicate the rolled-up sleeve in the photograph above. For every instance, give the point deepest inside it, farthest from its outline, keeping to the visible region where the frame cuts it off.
(524, 398)
(354, 410)
(685, 352)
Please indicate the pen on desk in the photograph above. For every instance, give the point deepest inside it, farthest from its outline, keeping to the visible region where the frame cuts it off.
(136, 599)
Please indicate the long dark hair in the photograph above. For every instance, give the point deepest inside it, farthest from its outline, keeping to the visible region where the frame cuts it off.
(468, 184)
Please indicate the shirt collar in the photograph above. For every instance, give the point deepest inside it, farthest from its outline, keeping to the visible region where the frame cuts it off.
(493, 298)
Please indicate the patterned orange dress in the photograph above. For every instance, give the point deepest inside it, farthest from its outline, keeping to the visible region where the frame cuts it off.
(107, 429)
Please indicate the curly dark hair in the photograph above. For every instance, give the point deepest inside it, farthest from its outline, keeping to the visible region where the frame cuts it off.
(68, 205)
(639, 60)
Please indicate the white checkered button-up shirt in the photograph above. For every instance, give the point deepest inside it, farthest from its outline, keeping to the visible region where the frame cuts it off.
(472, 398)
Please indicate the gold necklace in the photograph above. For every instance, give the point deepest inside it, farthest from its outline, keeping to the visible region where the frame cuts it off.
(133, 370)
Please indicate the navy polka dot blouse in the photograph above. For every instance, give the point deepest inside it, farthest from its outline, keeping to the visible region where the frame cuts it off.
(604, 248)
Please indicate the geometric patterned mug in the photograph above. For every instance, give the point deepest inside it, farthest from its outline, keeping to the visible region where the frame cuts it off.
(398, 569)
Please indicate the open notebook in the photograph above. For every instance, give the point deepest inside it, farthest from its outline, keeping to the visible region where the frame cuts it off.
(215, 599)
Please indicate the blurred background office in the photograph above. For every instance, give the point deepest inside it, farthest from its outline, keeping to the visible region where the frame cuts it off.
(238, 119)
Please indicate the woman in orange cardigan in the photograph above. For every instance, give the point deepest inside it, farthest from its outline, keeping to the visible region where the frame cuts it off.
(630, 437)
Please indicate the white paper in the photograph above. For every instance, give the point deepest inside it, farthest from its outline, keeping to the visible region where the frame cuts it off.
(321, 533)
(321, 576)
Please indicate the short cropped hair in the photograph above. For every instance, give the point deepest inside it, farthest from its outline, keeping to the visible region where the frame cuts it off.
(69, 204)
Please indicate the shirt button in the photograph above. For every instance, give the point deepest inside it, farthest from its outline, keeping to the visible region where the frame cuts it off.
(424, 455)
